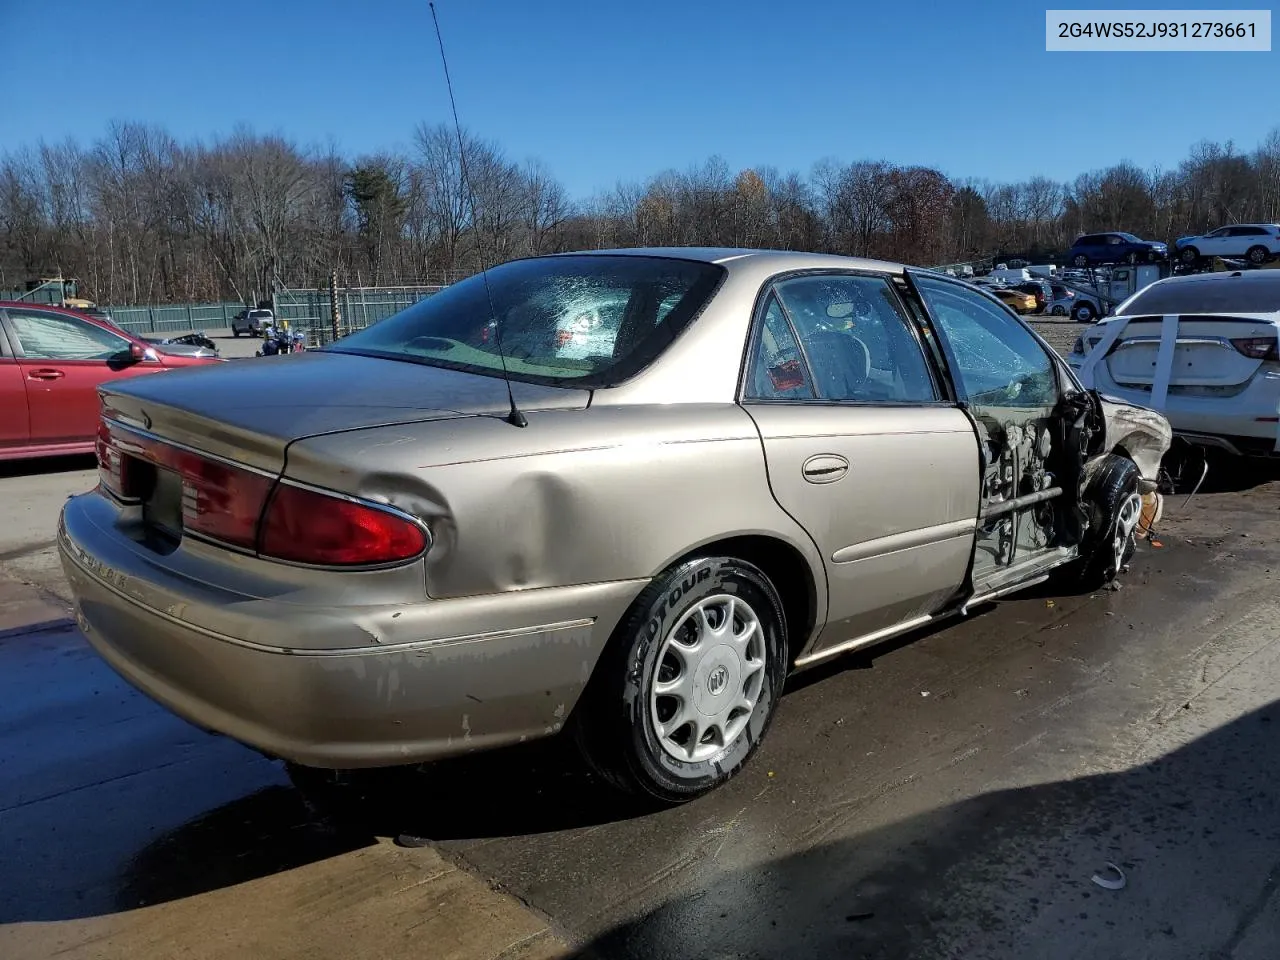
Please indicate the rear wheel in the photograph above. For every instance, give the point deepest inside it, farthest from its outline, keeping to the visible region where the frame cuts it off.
(1258, 254)
(1058, 310)
(1084, 313)
(1080, 260)
(687, 689)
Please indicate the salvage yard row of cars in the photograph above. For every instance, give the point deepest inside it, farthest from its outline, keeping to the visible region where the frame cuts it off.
(469, 525)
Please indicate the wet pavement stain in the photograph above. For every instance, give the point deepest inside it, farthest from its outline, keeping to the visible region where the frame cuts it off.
(1135, 726)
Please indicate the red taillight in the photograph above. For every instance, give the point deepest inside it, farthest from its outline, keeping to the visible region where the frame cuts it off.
(112, 465)
(1258, 348)
(305, 526)
(219, 500)
(226, 503)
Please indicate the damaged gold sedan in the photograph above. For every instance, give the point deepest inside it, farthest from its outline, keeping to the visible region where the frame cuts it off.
(623, 492)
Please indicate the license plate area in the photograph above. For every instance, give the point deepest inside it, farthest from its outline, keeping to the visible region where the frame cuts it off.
(162, 507)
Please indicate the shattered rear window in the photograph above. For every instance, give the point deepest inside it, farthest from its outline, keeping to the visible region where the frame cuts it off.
(588, 319)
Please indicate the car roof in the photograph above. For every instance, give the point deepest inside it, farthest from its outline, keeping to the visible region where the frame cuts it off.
(1262, 279)
(778, 260)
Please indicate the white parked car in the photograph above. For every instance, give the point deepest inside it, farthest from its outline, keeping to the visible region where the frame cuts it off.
(1204, 350)
(1255, 242)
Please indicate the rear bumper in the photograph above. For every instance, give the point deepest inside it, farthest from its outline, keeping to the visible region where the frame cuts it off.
(335, 688)
(1251, 416)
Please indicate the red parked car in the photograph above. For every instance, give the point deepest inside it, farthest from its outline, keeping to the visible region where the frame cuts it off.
(51, 363)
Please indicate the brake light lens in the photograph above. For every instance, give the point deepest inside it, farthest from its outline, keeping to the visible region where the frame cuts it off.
(219, 500)
(1258, 348)
(236, 506)
(306, 526)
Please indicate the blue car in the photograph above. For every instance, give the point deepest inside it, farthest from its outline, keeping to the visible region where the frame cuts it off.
(1094, 248)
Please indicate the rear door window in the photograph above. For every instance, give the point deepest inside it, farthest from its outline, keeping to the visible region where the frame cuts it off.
(857, 341)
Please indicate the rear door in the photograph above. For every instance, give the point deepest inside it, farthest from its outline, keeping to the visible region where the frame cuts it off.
(1009, 383)
(63, 359)
(862, 448)
(15, 426)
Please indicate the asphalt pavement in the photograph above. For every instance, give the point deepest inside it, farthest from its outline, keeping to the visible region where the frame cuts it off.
(951, 794)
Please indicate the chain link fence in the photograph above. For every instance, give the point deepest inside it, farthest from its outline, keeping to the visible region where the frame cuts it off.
(311, 310)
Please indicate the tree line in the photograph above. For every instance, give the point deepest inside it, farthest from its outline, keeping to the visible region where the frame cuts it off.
(140, 217)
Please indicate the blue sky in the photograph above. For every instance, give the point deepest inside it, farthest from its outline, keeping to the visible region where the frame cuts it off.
(604, 91)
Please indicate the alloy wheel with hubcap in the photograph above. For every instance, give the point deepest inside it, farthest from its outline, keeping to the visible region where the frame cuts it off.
(1127, 518)
(710, 673)
(685, 691)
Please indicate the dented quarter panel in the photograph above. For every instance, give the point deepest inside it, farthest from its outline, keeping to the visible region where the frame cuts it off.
(509, 507)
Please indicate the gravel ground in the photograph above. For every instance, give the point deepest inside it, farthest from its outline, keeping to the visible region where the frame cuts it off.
(1061, 332)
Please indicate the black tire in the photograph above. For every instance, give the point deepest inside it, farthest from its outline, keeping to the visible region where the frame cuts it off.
(235, 332)
(1188, 255)
(1080, 260)
(1113, 484)
(1258, 255)
(1084, 313)
(614, 726)
(1058, 311)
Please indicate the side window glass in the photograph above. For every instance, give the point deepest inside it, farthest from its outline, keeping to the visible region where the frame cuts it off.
(856, 339)
(778, 370)
(998, 362)
(53, 336)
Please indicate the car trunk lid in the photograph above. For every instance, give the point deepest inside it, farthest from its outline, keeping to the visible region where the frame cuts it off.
(1206, 359)
(250, 411)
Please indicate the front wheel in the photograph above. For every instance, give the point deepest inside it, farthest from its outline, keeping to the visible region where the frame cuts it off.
(1058, 311)
(686, 690)
(1080, 260)
(1115, 507)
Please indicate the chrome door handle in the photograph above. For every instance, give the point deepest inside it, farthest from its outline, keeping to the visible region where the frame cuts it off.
(45, 374)
(825, 468)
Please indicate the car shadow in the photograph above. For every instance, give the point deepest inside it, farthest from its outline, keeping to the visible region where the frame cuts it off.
(535, 788)
(47, 465)
(1009, 873)
(265, 833)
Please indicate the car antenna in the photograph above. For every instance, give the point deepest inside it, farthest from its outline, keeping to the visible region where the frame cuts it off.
(514, 416)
